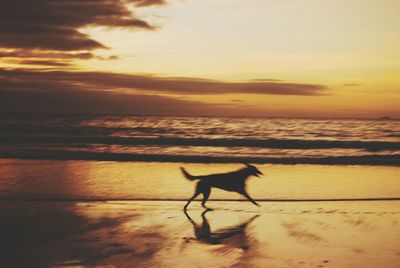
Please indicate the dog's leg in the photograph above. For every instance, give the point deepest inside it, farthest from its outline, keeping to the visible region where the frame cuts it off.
(249, 198)
(206, 194)
(196, 193)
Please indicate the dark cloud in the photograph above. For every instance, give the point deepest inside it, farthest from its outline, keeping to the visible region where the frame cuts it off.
(50, 91)
(112, 57)
(352, 85)
(96, 102)
(48, 58)
(44, 63)
(265, 80)
(19, 53)
(46, 39)
(57, 80)
(103, 102)
(142, 3)
(53, 25)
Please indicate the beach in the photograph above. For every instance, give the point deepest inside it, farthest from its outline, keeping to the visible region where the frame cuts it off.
(204, 134)
(130, 214)
(234, 234)
(107, 191)
(46, 180)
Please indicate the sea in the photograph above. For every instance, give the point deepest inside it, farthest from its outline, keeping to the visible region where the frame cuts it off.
(107, 157)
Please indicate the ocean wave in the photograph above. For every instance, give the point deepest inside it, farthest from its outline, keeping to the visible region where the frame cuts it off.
(392, 160)
(199, 127)
(164, 141)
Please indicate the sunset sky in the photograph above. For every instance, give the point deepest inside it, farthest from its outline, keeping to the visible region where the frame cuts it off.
(286, 58)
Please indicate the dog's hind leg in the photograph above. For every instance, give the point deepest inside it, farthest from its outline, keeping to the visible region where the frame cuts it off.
(249, 198)
(206, 194)
(196, 193)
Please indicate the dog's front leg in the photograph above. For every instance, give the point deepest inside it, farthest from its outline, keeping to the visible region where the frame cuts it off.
(206, 195)
(249, 198)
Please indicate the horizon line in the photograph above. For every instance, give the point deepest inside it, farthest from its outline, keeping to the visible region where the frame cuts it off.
(206, 116)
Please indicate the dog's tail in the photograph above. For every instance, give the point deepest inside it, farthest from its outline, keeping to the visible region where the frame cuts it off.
(187, 175)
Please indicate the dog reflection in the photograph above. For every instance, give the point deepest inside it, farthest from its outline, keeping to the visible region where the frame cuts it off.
(234, 236)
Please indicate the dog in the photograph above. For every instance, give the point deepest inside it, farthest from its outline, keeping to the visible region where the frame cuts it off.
(232, 181)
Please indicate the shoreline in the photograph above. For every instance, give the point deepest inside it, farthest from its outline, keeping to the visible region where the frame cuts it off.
(11, 199)
(368, 160)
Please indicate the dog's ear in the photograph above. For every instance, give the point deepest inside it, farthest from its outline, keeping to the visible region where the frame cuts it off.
(246, 164)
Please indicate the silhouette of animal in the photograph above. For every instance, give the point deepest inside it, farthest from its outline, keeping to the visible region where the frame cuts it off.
(226, 236)
(232, 181)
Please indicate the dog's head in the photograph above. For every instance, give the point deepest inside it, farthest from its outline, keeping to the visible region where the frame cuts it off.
(253, 170)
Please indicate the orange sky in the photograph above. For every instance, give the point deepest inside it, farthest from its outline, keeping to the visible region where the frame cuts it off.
(254, 58)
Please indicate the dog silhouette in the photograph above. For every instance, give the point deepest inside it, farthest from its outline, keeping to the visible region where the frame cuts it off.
(232, 181)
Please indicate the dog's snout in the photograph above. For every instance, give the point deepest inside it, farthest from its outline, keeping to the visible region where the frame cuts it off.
(258, 174)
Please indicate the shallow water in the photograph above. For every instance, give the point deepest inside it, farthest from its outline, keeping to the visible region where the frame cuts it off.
(54, 179)
(159, 234)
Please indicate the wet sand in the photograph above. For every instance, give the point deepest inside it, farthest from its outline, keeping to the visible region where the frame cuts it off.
(235, 234)
(88, 180)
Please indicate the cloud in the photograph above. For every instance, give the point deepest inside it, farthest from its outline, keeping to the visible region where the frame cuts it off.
(83, 102)
(352, 85)
(142, 3)
(58, 80)
(20, 53)
(103, 102)
(50, 91)
(44, 63)
(53, 25)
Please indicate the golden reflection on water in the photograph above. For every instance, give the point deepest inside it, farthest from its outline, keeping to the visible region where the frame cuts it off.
(140, 180)
(159, 234)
